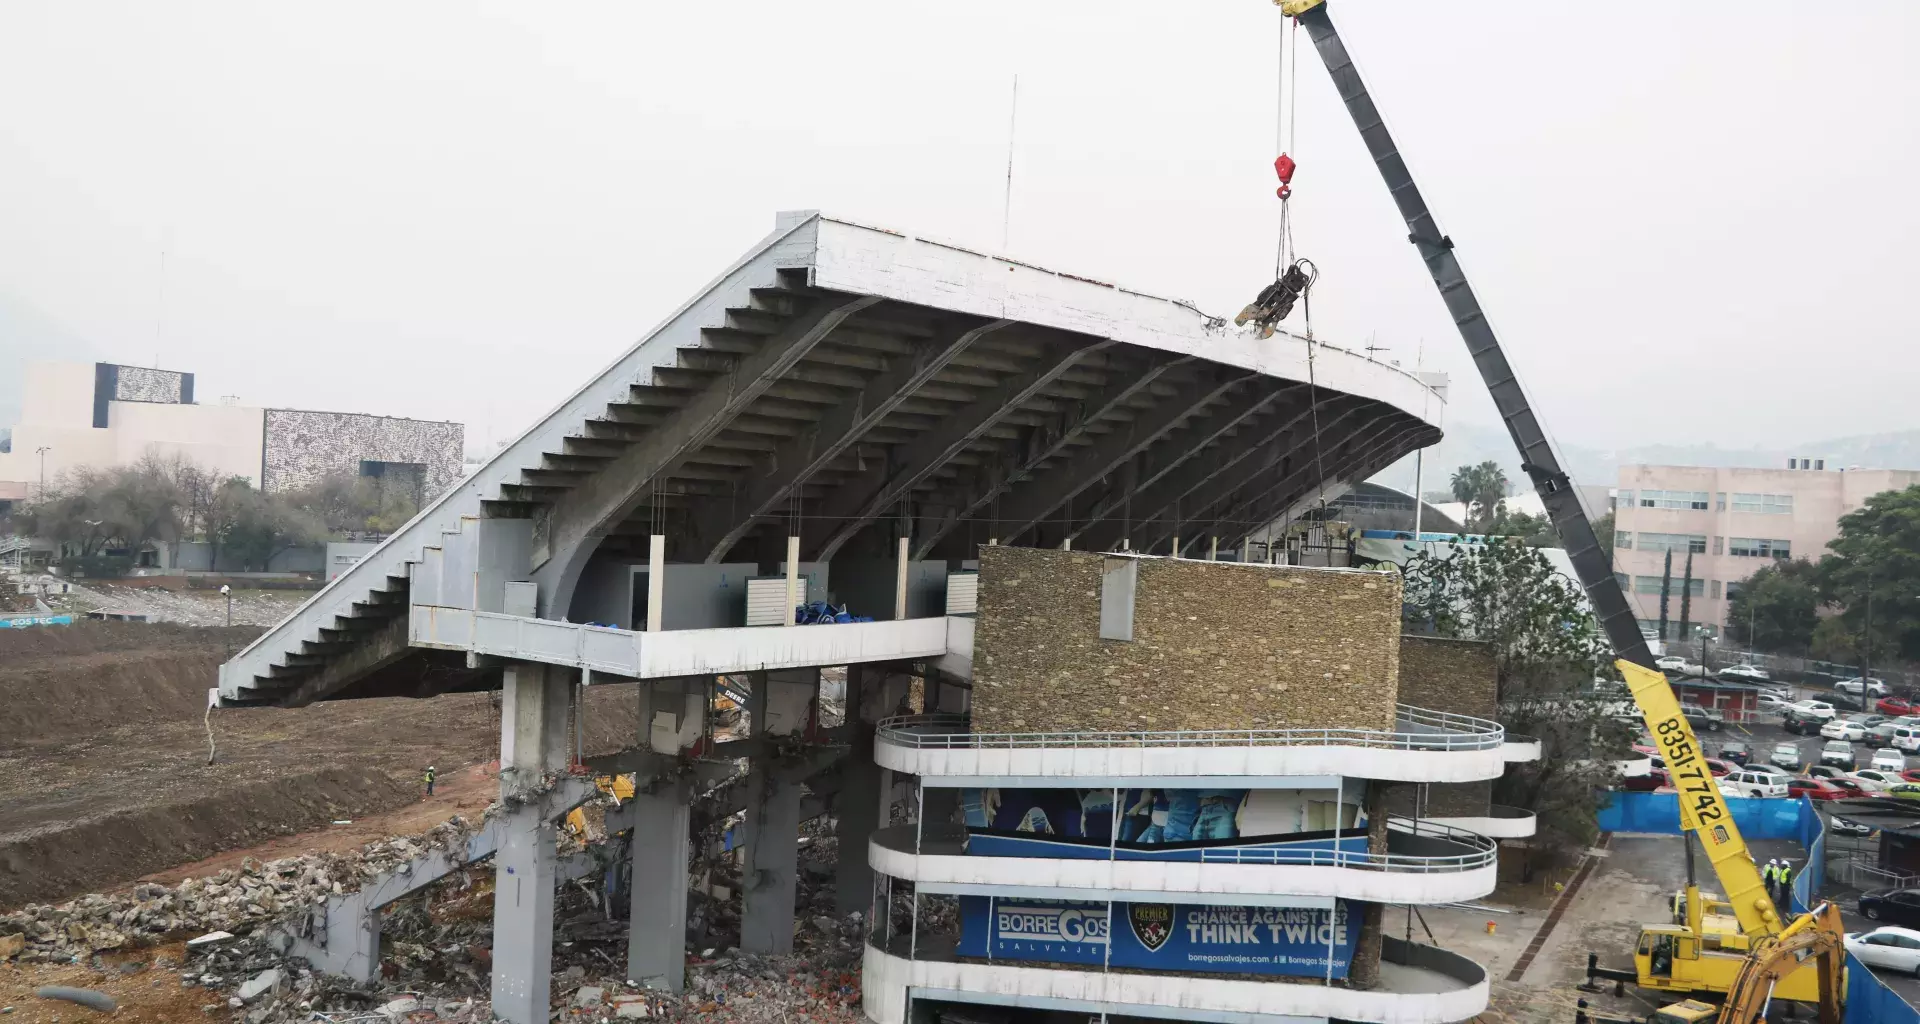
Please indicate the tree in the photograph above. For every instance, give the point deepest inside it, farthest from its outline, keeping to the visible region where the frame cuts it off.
(1533, 531)
(257, 527)
(348, 503)
(1603, 532)
(1666, 588)
(1686, 600)
(89, 512)
(1547, 651)
(1776, 608)
(1481, 488)
(1873, 575)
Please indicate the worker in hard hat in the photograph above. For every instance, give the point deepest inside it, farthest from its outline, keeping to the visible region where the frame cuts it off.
(429, 778)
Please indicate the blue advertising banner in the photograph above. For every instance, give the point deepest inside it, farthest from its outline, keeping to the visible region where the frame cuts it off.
(24, 621)
(1160, 936)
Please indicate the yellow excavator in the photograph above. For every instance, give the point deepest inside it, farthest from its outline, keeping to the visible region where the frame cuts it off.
(1816, 942)
(1682, 958)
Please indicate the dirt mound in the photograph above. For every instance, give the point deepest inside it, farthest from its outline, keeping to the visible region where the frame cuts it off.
(58, 861)
(103, 751)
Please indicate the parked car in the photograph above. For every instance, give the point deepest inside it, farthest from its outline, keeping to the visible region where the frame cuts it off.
(1886, 759)
(1843, 729)
(1728, 789)
(1911, 775)
(1881, 734)
(1745, 674)
(1800, 725)
(1756, 783)
(1818, 789)
(1838, 753)
(1720, 768)
(1902, 791)
(1852, 787)
(1676, 665)
(1699, 717)
(1740, 753)
(1772, 702)
(1811, 708)
(1655, 779)
(1847, 827)
(1827, 771)
(1894, 706)
(1871, 687)
(1786, 755)
(1898, 905)
(1847, 701)
(1907, 737)
(1875, 779)
(1896, 949)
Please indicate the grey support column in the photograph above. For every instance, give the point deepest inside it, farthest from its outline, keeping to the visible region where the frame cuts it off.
(769, 876)
(533, 743)
(657, 937)
(857, 807)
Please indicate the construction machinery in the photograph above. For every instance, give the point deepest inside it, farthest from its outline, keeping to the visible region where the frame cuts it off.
(1815, 942)
(1677, 958)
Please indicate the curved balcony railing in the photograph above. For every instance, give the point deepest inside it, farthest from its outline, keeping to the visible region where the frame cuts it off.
(1414, 729)
(1414, 847)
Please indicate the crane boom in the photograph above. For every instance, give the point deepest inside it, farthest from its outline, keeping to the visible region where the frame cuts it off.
(1703, 811)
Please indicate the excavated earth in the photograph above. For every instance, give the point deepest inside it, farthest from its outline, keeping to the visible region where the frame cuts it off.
(103, 755)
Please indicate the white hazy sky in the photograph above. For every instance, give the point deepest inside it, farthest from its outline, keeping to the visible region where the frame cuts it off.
(1691, 222)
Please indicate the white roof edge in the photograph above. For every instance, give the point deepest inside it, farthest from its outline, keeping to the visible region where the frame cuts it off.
(866, 259)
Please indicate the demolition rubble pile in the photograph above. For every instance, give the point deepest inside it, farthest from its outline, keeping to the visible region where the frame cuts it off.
(436, 961)
(232, 900)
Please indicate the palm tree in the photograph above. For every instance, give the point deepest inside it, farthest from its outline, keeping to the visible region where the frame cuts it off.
(1481, 488)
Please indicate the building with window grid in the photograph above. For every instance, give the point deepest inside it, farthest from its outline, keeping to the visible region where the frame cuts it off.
(1732, 522)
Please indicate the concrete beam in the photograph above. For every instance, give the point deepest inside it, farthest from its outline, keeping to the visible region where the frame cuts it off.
(720, 523)
(606, 498)
(1036, 447)
(1269, 461)
(1041, 496)
(1175, 472)
(1364, 454)
(858, 502)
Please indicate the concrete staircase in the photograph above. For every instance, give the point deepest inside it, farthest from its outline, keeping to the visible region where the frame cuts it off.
(357, 623)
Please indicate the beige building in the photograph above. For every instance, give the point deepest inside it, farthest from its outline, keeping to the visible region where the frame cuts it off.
(100, 415)
(1733, 521)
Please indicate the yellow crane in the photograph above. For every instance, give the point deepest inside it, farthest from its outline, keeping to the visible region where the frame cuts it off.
(1670, 957)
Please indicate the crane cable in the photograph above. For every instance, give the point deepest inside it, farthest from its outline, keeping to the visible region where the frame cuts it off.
(1286, 136)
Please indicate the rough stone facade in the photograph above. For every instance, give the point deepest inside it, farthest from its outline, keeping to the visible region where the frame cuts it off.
(1455, 676)
(302, 448)
(144, 384)
(1217, 645)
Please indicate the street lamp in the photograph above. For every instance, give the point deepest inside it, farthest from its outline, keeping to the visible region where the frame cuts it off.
(227, 592)
(43, 450)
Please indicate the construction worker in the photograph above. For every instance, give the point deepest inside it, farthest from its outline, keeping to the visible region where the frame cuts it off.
(429, 778)
(1785, 875)
(1773, 875)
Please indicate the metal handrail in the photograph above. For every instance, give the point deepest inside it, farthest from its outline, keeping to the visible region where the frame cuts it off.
(1447, 732)
(1482, 852)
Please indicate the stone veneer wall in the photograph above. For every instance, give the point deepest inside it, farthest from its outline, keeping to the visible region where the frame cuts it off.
(1456, 676)
(302, 448)
(1217, 645)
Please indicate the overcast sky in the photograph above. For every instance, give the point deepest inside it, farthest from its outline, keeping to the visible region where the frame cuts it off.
(1690, 223)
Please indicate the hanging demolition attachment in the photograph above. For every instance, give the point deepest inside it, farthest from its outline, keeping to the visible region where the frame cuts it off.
(1276, 300)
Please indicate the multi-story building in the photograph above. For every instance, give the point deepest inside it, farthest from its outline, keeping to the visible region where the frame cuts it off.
(1173, 797)
(1732, 521)
(98, 415)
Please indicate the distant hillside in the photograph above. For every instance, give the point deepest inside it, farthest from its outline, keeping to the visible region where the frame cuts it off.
(1469, 443)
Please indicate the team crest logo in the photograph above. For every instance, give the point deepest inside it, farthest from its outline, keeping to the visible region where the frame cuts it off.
(1152, 924)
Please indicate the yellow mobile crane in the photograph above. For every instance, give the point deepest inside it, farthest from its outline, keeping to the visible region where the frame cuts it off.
(1677, 958)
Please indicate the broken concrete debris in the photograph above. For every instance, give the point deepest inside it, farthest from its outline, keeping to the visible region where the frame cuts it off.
(435, 961)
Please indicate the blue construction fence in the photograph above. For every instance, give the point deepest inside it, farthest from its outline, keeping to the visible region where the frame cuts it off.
(1870, 1001)
(1659, 814)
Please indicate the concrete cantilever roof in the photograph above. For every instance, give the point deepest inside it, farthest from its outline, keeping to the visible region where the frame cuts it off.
(853, 379)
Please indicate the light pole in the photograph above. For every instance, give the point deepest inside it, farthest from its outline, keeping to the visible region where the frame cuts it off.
(43, 450)
(227, 592)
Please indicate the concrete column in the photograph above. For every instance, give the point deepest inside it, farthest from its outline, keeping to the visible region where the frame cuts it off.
(771, 872)
(857, 807)
(533, 742)
(793, 580)
(657, 936)
(656, 581)
(1213, 549)
(1364, 973)
(900, 582)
